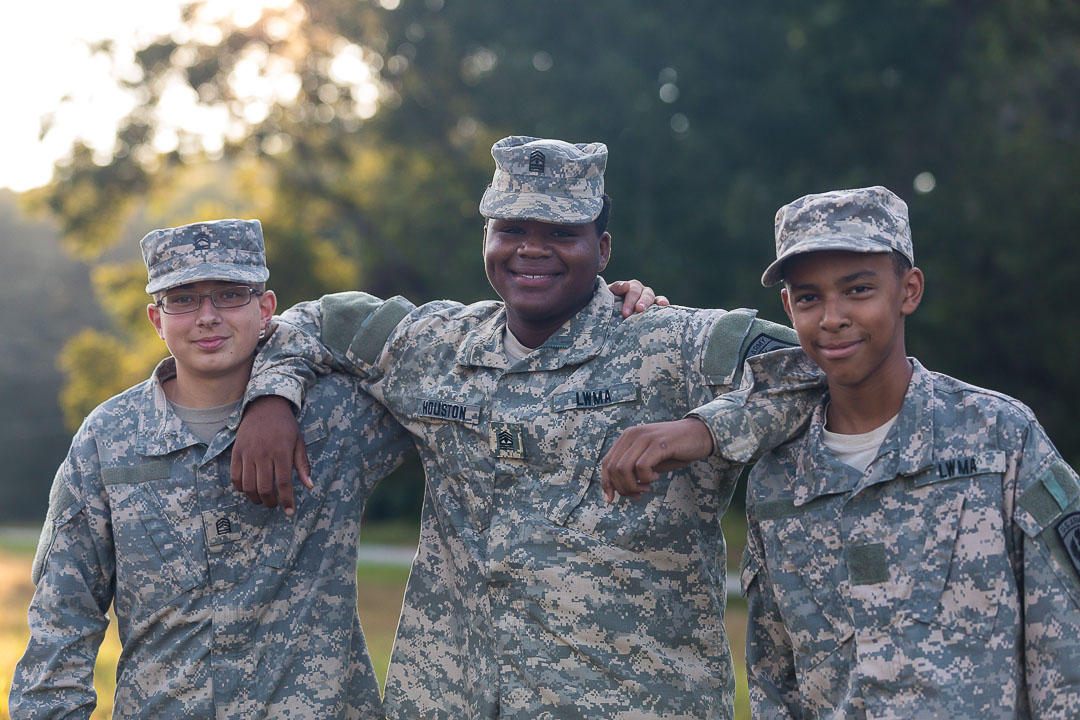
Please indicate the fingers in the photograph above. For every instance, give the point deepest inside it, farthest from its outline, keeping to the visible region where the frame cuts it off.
(302, 464)
(236, 469)
(637, 297)
(645, 300)
(283, 486)
(250, 486)
(265, 481)
(628, 467)
(631, 297)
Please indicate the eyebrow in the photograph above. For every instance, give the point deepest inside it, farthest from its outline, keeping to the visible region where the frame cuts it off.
(840, 281)
(856, 275)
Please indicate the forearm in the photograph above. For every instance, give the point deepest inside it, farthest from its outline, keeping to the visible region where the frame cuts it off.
(778, 393)
(311, 339)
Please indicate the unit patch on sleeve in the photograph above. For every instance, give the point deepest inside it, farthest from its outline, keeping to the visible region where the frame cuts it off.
(766, 343)
(1069, 532)
(594, 397)
(448, 410)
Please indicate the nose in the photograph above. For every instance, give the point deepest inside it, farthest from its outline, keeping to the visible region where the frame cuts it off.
(533, 245)
(835, 317)
(207, 314)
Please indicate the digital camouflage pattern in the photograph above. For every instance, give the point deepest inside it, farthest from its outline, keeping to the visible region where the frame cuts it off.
(215, 250)
(530, 597)
(225, 609)
(942, 583)
(870, 219)
(546, 180)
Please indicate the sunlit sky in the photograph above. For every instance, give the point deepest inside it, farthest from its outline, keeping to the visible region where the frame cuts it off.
(45, 55)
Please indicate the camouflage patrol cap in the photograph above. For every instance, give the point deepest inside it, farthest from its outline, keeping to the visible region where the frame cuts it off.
(215, 250)
(547, 180)
(870, 219)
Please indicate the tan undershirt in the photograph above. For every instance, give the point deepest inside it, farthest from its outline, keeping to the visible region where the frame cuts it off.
(858, 450)
(204, 423)
(513, 347)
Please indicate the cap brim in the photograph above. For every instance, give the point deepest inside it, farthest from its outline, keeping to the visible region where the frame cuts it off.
(208, 271)
(774, 273)
(541, 207)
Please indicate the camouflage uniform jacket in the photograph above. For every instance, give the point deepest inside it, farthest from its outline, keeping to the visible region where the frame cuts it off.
(530, 597)
(940, 583)
(225, 609)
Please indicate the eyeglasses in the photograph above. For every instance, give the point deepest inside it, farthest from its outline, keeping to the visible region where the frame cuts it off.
(184, 301)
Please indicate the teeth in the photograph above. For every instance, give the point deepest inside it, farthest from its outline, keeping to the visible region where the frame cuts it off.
(534, 276)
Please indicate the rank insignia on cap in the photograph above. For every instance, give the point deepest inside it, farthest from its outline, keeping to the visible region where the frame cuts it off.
(536, 162)
(202, 240)
(507, 440)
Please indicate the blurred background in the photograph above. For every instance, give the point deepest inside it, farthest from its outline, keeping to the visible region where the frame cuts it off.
(359, 131)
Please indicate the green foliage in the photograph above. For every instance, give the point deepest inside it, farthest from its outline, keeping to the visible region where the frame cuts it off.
(715, 114)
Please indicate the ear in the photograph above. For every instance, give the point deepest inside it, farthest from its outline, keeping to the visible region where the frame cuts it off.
(786, 300)
(912, 284)
(483, 245)
(605, 250)
(154, 313)
(267, 305)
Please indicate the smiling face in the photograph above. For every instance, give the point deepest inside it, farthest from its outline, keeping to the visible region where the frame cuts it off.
(544, 272)
(848, 309)
(212, 344)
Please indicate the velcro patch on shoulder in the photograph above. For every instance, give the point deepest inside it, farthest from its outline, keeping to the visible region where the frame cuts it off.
(343, 314)
(373, 333)
(736, 336)
(158, 470)
(1048, 498)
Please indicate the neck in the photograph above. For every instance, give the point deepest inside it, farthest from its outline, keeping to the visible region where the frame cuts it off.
(530, 335)
(195, 391)
(860, 408)
(533, 332)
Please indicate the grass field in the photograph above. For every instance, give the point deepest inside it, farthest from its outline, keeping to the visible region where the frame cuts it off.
(380, 589)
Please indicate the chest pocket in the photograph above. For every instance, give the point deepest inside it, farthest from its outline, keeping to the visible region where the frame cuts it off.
(281, 533)
(961, 573)
(456, 454)
(573, 448)
(806, 563)
(155, 557)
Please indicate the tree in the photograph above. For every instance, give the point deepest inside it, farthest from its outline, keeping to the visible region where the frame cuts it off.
(366, 153)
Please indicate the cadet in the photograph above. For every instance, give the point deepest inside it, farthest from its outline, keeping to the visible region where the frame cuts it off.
(915, 553)
(225, 609)
(530, 595)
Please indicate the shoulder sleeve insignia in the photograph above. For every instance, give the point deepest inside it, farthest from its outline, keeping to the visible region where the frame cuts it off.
(1069, 532)
(736, 336)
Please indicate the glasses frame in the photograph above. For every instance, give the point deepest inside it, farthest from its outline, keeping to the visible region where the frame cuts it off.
(252, 292)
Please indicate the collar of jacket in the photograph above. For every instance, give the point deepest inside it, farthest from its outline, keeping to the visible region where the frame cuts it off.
(161, 431)
(908, 449)
(577, 341)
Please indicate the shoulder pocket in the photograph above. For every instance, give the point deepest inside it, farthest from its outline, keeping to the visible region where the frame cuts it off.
(63, 505)
(1049, 512)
